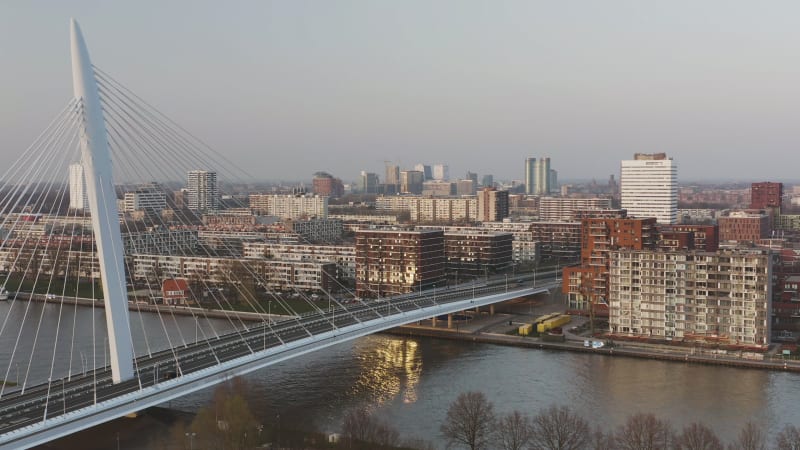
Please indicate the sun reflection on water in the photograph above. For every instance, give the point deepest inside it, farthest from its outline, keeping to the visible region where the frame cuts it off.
(389, 371)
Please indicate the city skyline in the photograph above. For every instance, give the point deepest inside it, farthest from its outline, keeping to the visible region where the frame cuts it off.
(407, 83)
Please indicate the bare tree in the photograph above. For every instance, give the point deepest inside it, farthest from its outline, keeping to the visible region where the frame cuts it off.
(469, 421)
(363, 429)
(514, 431)
(559, 428)
(418, 444)
(788, 438)
(228, 422)
(644, 432)
(751, 437)
(698, 437)
(602, 441)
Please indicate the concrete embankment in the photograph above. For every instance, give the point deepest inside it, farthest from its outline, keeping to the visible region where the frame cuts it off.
(177, 310)
(626, 350)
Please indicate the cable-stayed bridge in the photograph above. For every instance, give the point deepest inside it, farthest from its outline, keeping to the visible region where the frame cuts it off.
(64, 242)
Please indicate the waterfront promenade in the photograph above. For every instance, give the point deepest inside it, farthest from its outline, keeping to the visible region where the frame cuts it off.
(499, 329)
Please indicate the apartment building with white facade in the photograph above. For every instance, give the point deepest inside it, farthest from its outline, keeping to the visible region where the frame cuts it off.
(722, 297)
(344, 256)
(289, 206)
(564, 208)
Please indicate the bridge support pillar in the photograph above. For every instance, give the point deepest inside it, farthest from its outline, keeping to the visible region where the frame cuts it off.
(477, 310)
(433, 321)
(491, 310)
(449, 321)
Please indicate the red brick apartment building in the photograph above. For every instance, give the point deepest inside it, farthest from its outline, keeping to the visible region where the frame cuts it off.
(743, 226)
(689, 237)
(587, 284)
(766, 195)
(393, 262)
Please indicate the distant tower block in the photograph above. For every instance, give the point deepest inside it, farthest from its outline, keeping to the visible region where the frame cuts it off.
(78, 199)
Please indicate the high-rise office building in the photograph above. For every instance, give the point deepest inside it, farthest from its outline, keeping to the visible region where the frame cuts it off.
(77, 188)
(369, 182)
(649, 187)
(541, 176)
(441, 172)
(472, 176)
(411, 181)
(466, 187)
(529, 177)
(553, 181)
(392, 179)
(487, 181)
(426, 171)
(202, 191)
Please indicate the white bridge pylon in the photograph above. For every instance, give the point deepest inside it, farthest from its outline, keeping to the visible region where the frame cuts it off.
(96, 160)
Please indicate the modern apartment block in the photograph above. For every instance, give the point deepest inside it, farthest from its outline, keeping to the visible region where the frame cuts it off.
(766, 195)
(316, 229)
(440, 210)
(160, 241)
(722, 297)
(344, 256)
(743, 226)
(492, 205)
(151, 199)
(475, 254)
(703, 237)
(275, 275)
(561, 209)
(524, 248)
(444, 210)
(202, 191)
(560, 241)
(289, 206)
(649, 187)
(393, 262)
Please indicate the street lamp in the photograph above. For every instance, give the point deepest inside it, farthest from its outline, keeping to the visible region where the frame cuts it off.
(434, 293)
(191, 440)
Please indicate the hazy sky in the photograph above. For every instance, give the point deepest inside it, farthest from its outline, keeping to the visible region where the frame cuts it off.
(289, 88)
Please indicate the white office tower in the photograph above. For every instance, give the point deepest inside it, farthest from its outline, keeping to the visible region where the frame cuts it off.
(649, 187)
(77, 188)
(441, 172)
(201, 187)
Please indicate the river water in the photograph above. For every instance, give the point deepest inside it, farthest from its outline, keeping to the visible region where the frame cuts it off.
(409, 382)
